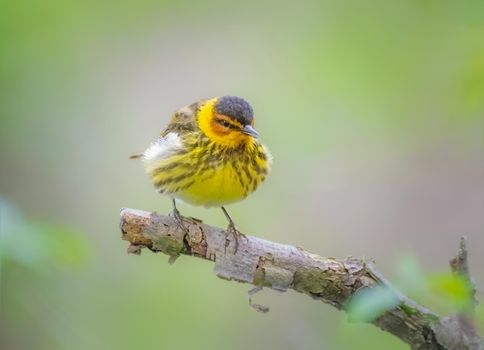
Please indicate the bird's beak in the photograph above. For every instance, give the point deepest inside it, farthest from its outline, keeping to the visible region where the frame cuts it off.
(249, 130)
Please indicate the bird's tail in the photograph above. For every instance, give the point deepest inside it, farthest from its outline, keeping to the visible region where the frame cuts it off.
(136, 156)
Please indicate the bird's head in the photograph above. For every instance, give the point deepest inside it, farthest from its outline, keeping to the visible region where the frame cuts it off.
(227, 120)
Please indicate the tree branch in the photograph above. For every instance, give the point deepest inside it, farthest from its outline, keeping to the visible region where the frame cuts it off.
(460, 331)
(281, 267)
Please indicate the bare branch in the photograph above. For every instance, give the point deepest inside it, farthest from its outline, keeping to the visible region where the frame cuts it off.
(281, 267)
(459, 330)
(460, 266)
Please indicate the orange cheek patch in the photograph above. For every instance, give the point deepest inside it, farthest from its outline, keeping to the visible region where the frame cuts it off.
(219, 129)
(225, 135)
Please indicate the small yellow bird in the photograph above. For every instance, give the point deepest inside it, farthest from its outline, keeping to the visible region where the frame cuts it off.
(209, 155)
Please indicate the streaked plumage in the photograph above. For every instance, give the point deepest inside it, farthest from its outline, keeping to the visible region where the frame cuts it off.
(209, 154)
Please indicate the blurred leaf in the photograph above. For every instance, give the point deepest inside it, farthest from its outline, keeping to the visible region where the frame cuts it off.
(446, 291)
(473, 82)
(369, 303)
(410, 278)
(37, 245)
(452, 290)
(65, 246)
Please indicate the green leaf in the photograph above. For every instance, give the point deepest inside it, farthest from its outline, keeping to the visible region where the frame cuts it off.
(410, 276)
(369, 303)
(451, 290)
(37, 245)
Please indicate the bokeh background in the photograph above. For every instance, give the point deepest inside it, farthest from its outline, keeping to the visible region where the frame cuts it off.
(374, 112)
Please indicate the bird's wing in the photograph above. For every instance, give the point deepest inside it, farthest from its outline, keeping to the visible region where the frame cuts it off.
(183, 120)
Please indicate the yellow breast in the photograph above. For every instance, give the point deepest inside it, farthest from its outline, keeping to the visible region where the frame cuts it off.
(217, 187)
(208, 175)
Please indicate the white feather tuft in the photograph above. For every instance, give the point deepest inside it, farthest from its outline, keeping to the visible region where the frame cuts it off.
(163, 147)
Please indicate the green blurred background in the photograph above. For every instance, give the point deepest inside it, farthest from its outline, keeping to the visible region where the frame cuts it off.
(374, 112)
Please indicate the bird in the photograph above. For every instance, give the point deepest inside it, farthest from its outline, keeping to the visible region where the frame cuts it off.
(209, 155)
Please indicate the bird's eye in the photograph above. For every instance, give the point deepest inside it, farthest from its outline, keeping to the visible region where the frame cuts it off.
(224, 123)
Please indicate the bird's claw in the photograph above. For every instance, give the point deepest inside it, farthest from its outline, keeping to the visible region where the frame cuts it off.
(179, 220)
(231, 230)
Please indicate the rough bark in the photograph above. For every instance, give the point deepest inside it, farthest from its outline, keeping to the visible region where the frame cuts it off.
(281, 267)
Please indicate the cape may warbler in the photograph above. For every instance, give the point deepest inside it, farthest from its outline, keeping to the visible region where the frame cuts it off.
(209, 155)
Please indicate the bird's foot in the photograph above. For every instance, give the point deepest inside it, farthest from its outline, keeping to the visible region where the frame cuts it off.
(179, 220)
(232, 231)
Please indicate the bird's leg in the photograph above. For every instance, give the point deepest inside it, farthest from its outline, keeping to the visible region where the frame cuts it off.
(231, 230)
(178, 217)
